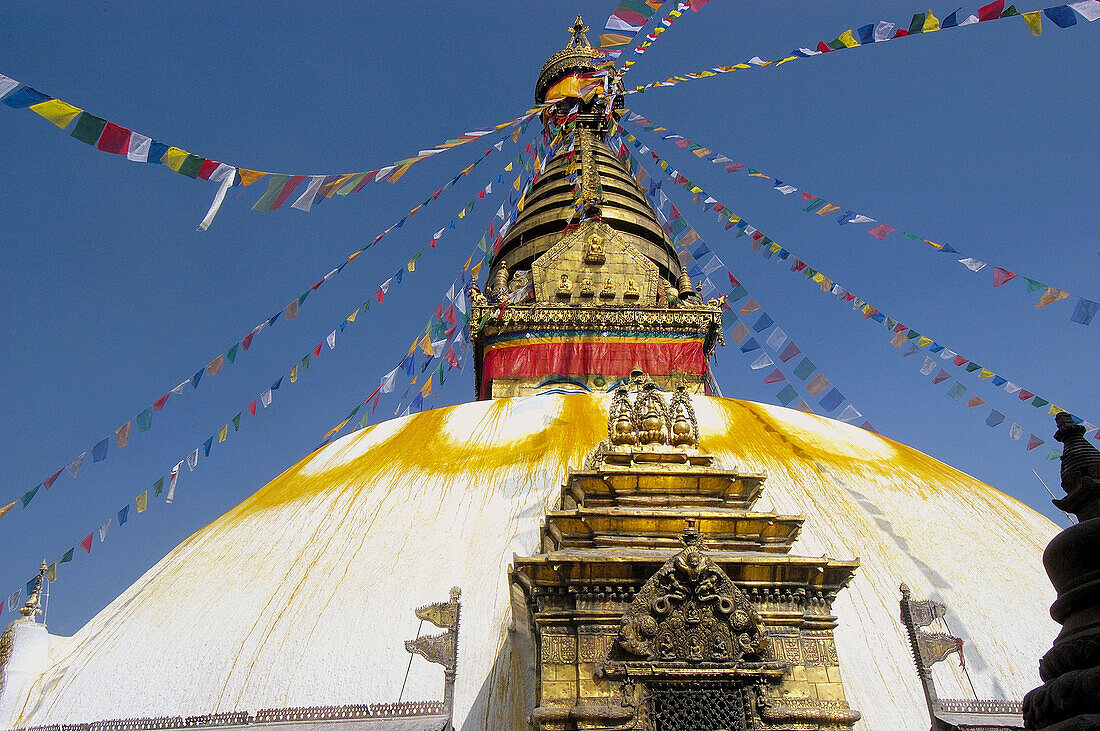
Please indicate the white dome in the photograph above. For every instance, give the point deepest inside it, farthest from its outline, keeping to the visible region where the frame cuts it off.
(303, 594)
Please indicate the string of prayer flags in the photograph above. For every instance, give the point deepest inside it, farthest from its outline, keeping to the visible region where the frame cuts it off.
(1082, 313)
(661, 27)
(143, 420)
(624, 24)
(881, 31)
(115, 139)
(900, 333)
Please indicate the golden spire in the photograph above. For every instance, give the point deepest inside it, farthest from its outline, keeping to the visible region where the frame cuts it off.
(33, 607)
(580, 37)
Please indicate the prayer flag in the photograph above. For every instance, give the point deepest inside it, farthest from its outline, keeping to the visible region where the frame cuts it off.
(956, 391)
(1061, 16)
(29, 495)
(928, 366)
(51, 572)
(123, 514)
(1034, 21)
(818, 384)
(114, 139)
(331, 340)
(1089, 9)
(776, 339)
(883, 31)
(804, 369)
(751, 306)
(206, 446)
(215, 366)
(931, 23)
(1000, 276)
(991, 11)
(974, 401)
(974, 265)
(1051, 295)
(789, 352)
(122, 435)
(265, 398)
(750, 345)
(173, 476)
(144, 420)
(1085, 309)
(776, 376)
(941, 377)
(762, 362)
(7, 84)
(995, 418)
(142, 501)
(1015, 431)
(827, 209)
(739, 333)
(917, 23)
(74, 466)
(86, 544)
(48, 482)
(787, 395)
(103, 528)
(1034, 441)
(881, 231)
(88, 127)
(193, 460)
(67, 556)
(138, 150)
(832, 400)
(55, 110)
(158, 486)
(236, 421)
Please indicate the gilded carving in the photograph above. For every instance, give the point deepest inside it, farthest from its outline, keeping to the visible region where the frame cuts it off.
(565, 287)
(435, 648)
(934, 647)
(608, 291)
(593, 253)
(690, 612)
(652, 417)
(631, 292)
(559, 648)
(594, 648)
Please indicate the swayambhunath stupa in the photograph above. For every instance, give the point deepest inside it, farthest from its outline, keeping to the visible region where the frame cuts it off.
(599, 539)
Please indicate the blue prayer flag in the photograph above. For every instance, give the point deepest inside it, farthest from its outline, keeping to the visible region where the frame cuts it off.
(206, 447)
(123, 514)
(275, 386)
(951, 20)
(763, 323)
(1061, 16)
(750, 345)
(156, 151)
(195, 378)
(99, 451)
(25, 97)
(867, 34)
(832, 400)
(994, 419)
(1084, 311)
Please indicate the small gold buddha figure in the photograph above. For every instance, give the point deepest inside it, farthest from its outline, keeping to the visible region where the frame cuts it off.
(631, 292)
(588, 289)
(565, 287)
(608, 291)
(499, 287)
(594, 253)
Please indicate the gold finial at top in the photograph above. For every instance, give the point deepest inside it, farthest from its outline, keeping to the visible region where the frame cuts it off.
(33, 606)
(580, 37)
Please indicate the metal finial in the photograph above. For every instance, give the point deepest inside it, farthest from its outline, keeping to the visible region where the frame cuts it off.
(33, 607)
(579, 38)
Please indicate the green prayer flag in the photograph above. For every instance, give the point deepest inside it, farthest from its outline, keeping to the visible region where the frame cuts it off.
(957, 390)
(912, 334)
(88, 128)
(813, 205)
(29, 495)
(1033, 286)
(158, 486)
(481, 245)
(787, 395)
(350, 185)
(191, 166)
(738, 293)
(916, 25)
(232, 353)
(364, 419)
(1039, 402)
(836, 44)
(237, 421)
(144, 420)
(302, 296)
(1010, 11)
(353, 412)
(805, 368)
(275, 184)
(67, 556)
(971, 367)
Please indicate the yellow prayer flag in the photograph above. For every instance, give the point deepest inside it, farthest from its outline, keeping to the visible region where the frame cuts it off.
(413, 381)
(522, 202)
(827, 209)
(466, 266)
(516, 184)
(354, 256)
(4, 510)
(399, 172)
(335, 429)
(1055, 410)
(175, 157)
(898, 340)
(515, 135)
(294, 373)
(1034, 21)
(696, 189)
(461, 214)
(508, 168)
(352, 316)
(426, 345)
(57, 111)
(411, 266)
(775, 247)
(847, 39)
(248, 177)
(51, 572)
(426, 389)
(1051, 295)
(476, 270)
(818, 277)
(931, 23)
(142, 501)
(223, 433)
(986, 374)
(413, 211)
(924, 342)
(702, 152)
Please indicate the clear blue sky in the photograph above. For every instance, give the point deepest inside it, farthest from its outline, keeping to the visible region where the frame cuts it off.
(976, 136)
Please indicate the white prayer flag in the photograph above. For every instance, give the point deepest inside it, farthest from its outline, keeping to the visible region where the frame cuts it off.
(499, 145)
(383, 173)
(756, 61)
(1011, 387)
(7, 84)
(974, 19)
(849, 413)
(860, 218)
(489, 188)
(438, 346)
(385, 287)
(103, 530)
(460, 303)
(713, 265)
(138, 150)
(928, 366)
(173, 475)
(838, 291)
(810, 51)
(776, 339)
(13, 600)
(226, 175)
(305, 200)
(1089, 9)
(1016, 431)
(331, 340)
(786, 189)
(762, 362)
(883, 31)
(389, 380)
(265, 397)
(947, 354)
(973, 265)
(500, 212)
(193, 460)
(74, 466)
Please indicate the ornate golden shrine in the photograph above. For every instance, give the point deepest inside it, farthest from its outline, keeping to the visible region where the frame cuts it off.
(660, 600)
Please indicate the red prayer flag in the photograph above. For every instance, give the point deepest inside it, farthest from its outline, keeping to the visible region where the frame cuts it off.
(208, 168)
(379, 295)
(452, 359)
(960, 361)
(86, 544)
(733, 167)
(848, 296)
(776, 376)
(991, 11)
(901, 33)
(288, 188)
(48, 482)
(823, 47)
(159, 403)
(252, 407)
(368, 178)
(733, 279)
(789, 352)
(871, 312)
(1000, 276)
(1025, 394)
(248, 340)
(114, 139)
(318, 284)
(1034, 442)
(317, 350)
(899, 328)
(941, 376)
(881, 231)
